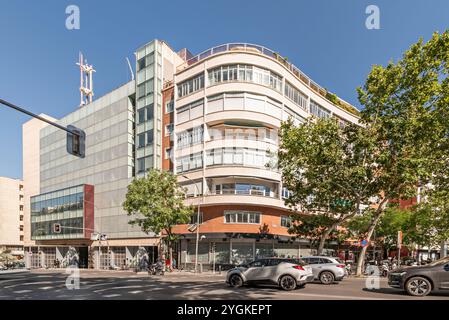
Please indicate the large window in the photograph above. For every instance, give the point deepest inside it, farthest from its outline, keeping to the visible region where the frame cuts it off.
(190, 162)
(145, 138)
(144, 164)
(295, 95)
(190, 137)
(239, 156)
(191, 85)
(145, 88)
(64, 207)
(318, 110)
(235, 216)
(245, 73)
(244, 189)
(191, 111)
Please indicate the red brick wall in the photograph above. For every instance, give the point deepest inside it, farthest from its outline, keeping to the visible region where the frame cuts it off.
(213, 221)
(89, 209)
(167, 118)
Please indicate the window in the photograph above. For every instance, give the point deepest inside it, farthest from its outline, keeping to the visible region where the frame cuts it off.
(286, 193)
(21, 207)
(145, 88)
(250, 217)
(194, 218)
(245, 73)
(191, 85)
(240, 156)
(286, 221)
(141, 140)
(190, 162)
(257, 264)
(141, 116)
(169, 106)
(150, 136)
(21, 228)
(190, 137)
(169, 129)
(21, 217)
(141, 64)
(150, 111)
(318, 110)
(295, 95)
(144, 163)
(21, 238)
(167, 153)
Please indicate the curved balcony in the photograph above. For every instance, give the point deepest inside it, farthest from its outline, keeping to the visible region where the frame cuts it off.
(237, 198)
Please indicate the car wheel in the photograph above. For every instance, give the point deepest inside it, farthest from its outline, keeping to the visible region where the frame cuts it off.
(418, 286)
(287, 283)
(235, 281)
(327, 277)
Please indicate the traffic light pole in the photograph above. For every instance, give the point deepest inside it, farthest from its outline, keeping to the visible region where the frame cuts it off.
(75, 136)
(17, 108)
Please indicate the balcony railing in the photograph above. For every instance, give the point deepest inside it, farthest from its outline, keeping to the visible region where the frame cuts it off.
(260, 193)
(271, 54)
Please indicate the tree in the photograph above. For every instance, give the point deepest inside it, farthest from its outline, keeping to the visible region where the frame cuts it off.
(328, 170)
(157, 201)
(403, 104)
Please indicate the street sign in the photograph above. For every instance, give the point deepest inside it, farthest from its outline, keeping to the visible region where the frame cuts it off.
(399, 239)
(364, 243)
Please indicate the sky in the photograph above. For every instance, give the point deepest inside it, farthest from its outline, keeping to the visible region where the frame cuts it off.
(326, 39)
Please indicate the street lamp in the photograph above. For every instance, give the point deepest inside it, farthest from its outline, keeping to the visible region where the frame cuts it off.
(198, 225)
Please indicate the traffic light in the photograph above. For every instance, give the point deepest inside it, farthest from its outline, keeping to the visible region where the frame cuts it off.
(76, 141)
(56, 228)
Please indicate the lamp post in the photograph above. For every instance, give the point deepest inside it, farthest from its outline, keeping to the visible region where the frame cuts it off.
(198, 225)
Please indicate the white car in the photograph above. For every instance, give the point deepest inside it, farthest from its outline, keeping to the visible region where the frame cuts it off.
(326, 269)
(286, 273)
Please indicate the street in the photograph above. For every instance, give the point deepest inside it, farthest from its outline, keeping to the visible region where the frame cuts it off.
(101, 285)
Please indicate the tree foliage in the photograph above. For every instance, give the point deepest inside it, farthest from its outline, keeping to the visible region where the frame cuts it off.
(156, 202)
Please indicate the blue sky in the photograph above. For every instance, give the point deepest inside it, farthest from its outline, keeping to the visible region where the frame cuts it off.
(326, 39)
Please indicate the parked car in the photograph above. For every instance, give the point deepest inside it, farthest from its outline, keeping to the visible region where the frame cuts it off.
(286, 273)
(421, 280)
(326, 269)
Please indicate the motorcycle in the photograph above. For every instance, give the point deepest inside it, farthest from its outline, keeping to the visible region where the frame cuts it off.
(156, 268)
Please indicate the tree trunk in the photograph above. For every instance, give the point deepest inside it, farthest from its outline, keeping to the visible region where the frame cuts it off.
(324, 237)
(361, 260)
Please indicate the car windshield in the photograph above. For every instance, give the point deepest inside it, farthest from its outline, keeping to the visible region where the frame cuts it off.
(438, 262)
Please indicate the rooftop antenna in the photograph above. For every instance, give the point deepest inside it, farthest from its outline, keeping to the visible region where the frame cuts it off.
(86, 84)
(130, 69)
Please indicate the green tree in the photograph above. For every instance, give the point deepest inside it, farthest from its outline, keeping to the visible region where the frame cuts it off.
(328, 169)
(403, 104)
(157, 202)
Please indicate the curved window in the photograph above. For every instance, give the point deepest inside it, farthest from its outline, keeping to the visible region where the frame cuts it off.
(295, 95)
(318, 110)
(240, 156)
(245, 73)
(191, 85)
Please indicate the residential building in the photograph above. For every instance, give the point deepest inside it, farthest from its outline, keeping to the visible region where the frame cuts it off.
(11, 216)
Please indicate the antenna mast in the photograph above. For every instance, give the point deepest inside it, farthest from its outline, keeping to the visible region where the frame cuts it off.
(86, 84)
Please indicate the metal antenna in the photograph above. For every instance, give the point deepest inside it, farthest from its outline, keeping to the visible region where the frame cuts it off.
(86, 81)
(130, 68)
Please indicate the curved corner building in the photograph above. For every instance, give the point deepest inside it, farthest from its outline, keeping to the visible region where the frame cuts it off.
(229, 102)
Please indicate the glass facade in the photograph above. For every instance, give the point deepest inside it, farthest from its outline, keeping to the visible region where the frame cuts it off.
(64, 207)
(148, 107)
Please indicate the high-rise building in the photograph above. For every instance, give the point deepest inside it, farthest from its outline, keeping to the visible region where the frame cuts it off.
(11, 215)
(212, 119)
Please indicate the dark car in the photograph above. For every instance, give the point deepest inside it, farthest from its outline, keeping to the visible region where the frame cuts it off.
(421, 280)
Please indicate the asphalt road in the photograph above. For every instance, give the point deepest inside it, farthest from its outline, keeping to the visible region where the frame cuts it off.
(127, 285)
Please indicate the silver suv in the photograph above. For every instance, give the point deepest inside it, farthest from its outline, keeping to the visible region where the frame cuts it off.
(326, 269)
(283, 272)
